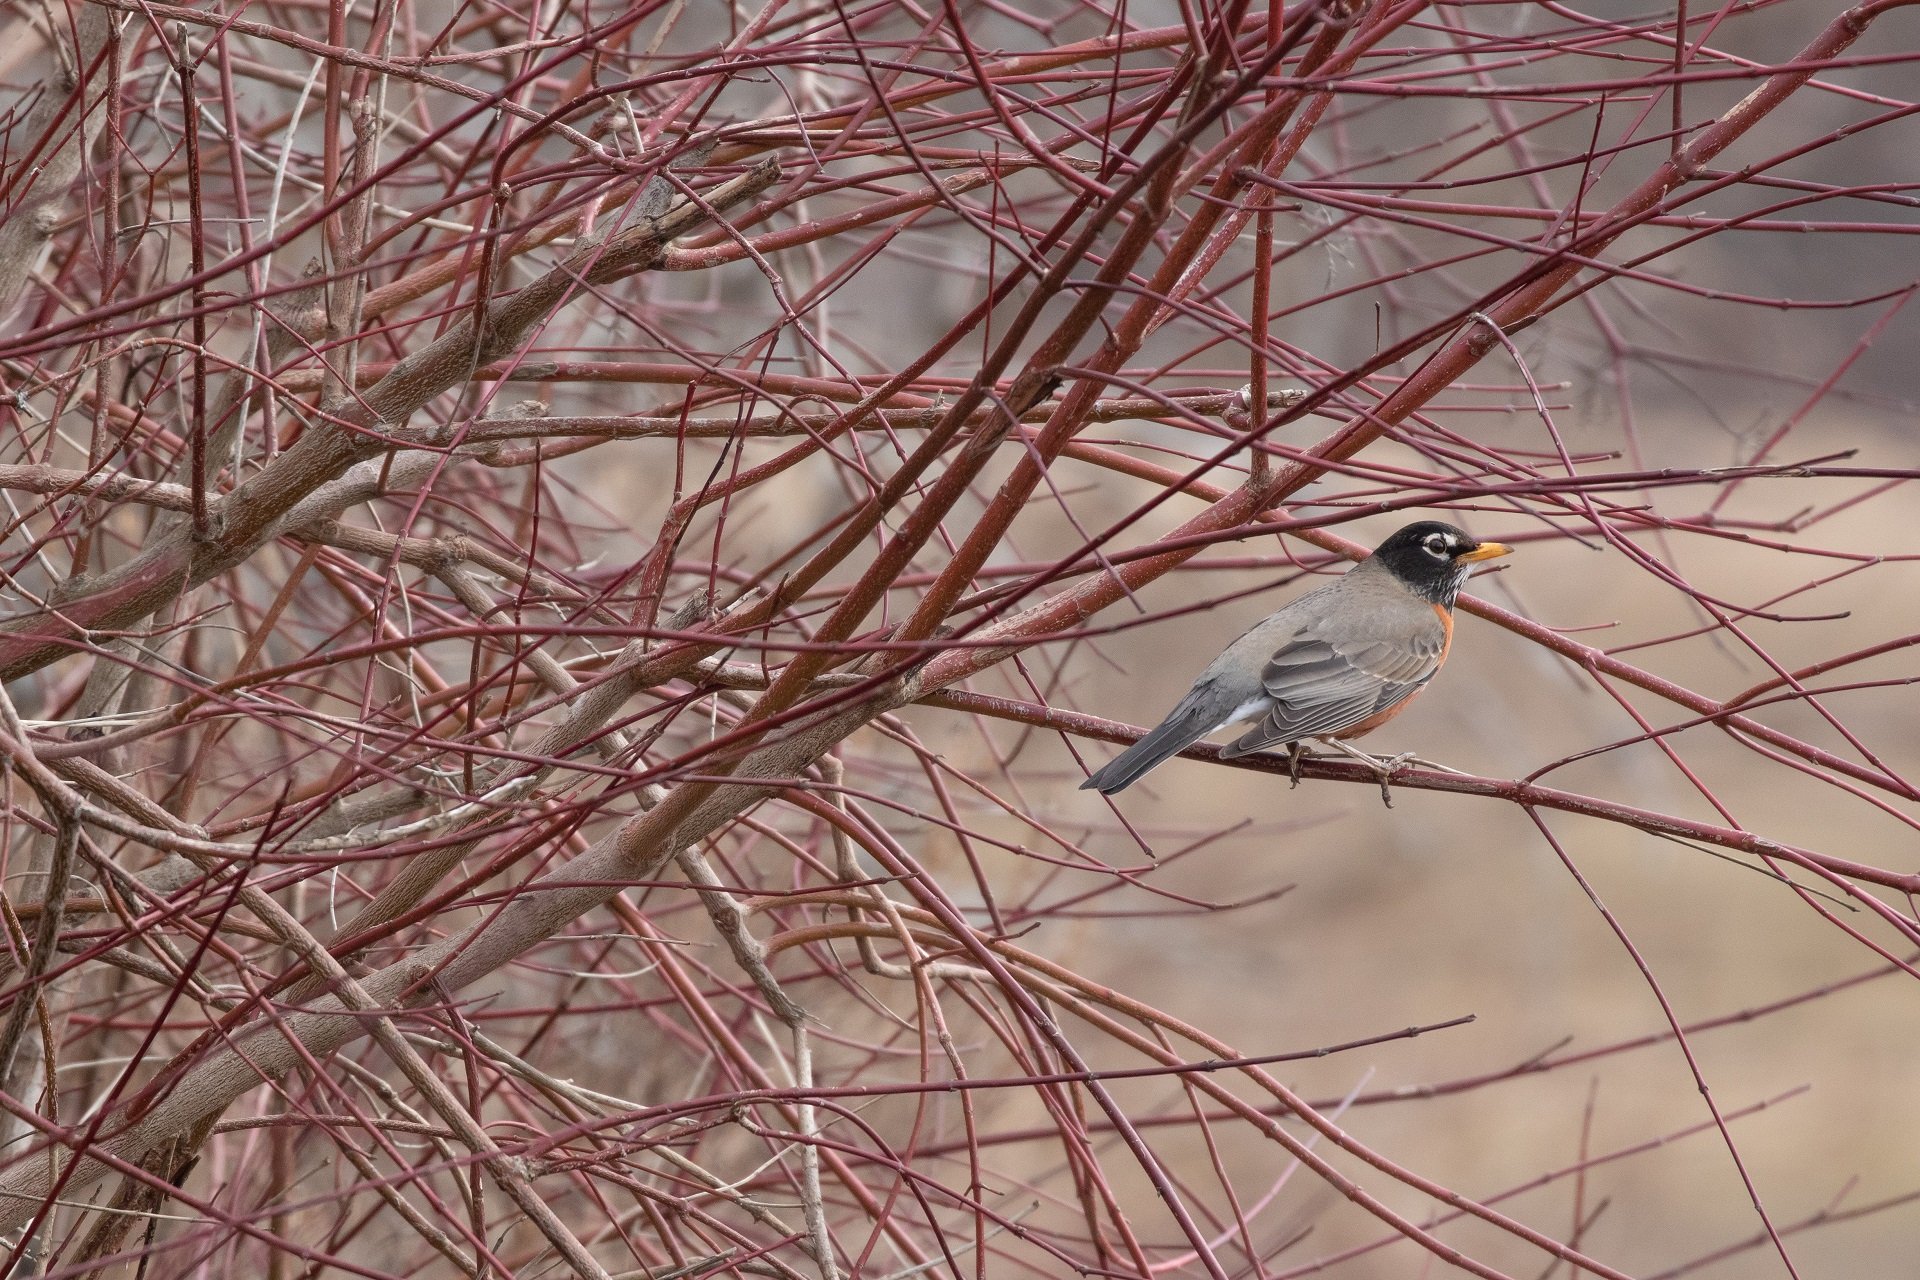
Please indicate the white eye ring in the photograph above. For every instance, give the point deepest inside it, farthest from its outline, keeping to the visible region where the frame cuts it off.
(1436, 545)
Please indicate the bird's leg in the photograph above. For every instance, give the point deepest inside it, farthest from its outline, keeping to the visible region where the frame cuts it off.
(1382, 768)
(1296, 752)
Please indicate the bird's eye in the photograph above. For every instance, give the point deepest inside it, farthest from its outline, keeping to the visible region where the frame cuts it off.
(1436, 545)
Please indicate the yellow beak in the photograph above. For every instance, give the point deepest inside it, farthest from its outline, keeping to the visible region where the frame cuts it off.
(1486, 551)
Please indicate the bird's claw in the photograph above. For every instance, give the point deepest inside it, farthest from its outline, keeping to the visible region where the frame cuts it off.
(1385, 769)
(1296, 752)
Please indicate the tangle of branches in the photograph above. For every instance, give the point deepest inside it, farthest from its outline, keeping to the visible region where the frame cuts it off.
(564, 564)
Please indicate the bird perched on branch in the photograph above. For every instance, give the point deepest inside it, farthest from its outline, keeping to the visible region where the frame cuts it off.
(1340, 661)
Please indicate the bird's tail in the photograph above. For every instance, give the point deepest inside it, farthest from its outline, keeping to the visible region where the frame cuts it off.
(1186, 725)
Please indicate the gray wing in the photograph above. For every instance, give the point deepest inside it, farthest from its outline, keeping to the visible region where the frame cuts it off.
(1329, 678)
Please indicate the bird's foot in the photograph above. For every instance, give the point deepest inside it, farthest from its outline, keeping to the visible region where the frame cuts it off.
(1296, 752)
(1383, 767)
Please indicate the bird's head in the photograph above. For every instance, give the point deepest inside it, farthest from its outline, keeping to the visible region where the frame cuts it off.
(1434, 560)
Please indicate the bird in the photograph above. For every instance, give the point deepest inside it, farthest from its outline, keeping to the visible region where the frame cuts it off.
(1335, 663)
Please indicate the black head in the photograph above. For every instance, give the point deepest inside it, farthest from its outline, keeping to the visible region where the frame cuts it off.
(1434, 559)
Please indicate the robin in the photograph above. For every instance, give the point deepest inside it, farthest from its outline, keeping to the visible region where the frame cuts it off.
(1340, 661)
